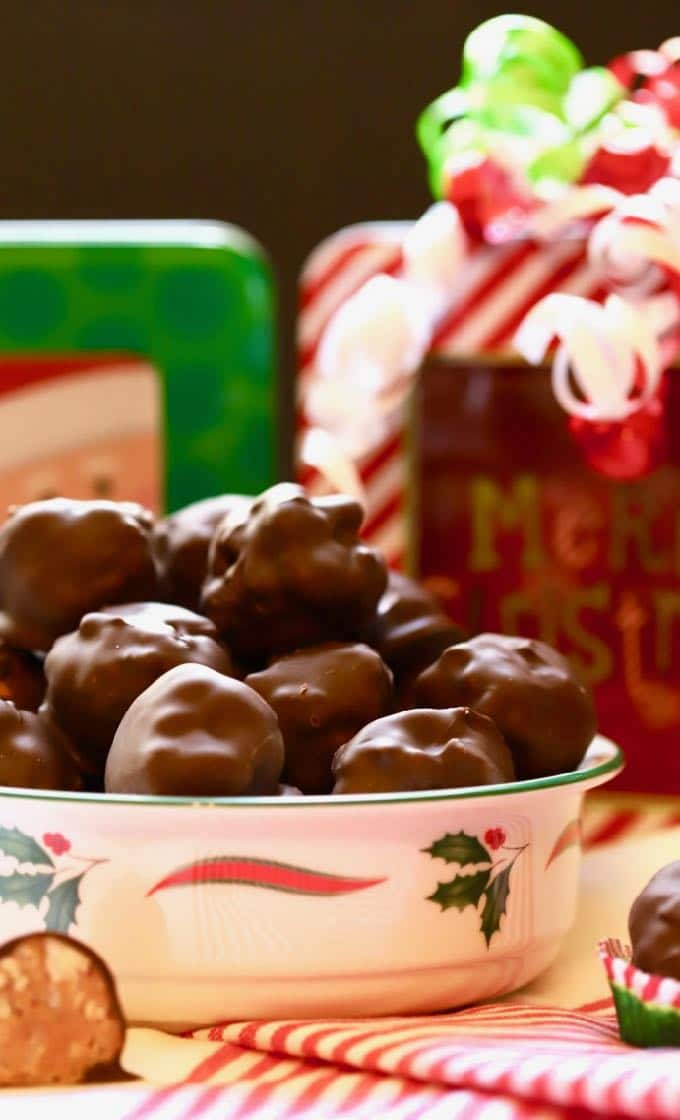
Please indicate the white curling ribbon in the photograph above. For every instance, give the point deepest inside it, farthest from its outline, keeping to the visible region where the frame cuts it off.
(433, 251)
(599, 350)
(374, 344)
(577, 204)
(376, 335)
(630, 252)
(321, 450)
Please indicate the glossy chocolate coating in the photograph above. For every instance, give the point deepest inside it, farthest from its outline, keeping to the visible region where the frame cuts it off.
(423, 749)
(33, 752)
(544, 711)
(95, 673)
(197, 733)
(322, 697)
(409, 628)
(61, 558)
(22, 678)
(293, 574)
(182, 541)
(654, 924)
(61, 1022)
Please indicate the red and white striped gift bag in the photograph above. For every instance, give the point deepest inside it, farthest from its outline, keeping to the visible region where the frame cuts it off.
(498, 286)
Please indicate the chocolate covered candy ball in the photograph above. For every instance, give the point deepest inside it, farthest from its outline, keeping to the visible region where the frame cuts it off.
(654, 924)
(409, 628)
(182, 542)
(96, 672)
(60, 1019)
(22, 678)
(293, 574)
(322, 697)
(423, 749)
(545, 713)
(33, 752)
(197, 733)
(61, 558)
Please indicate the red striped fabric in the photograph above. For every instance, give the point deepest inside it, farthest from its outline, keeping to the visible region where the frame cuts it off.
(520, 1063)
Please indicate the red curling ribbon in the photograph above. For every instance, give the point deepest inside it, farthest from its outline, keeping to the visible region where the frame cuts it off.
(629, 172)
(491, 206)
(251, 872)
(625, 450)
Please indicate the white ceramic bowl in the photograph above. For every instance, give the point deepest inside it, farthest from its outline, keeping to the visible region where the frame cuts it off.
(327, 906)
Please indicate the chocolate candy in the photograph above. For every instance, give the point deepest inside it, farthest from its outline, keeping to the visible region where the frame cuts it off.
(409, 628)
(60, 1019)
(423, 749)
(33, 752)
(293, 574)
(22, 679)
(322, 697)
(182, 541)
(544, 711)
(96, 672)
(60, 559)
(198, 733)
(654, 924)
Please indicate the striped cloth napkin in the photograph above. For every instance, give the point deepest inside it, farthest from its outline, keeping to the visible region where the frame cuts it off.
(551, 1052)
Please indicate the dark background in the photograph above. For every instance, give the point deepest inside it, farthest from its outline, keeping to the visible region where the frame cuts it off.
(290, 118)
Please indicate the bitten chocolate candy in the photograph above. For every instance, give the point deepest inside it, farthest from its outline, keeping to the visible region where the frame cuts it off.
(182, 541)
(654, 924)
(60, 559)
(33, 753)
(322, 696)
(60, 1019)
(293, 574)
(96, 672)
(22, 678)
(409, 628)
(197, 733)
(423, 749)
(529, 690)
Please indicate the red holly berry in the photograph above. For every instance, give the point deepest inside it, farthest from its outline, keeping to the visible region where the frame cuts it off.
(56, 843)
(494, 838)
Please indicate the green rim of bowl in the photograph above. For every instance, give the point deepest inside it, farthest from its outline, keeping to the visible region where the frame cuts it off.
(610, 764)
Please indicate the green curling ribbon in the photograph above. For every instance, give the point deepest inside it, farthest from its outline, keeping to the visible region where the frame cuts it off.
(523, 95)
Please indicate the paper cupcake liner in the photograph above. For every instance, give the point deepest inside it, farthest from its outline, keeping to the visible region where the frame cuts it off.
(647, 1006)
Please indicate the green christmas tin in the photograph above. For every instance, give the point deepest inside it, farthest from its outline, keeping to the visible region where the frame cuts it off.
(136, 361)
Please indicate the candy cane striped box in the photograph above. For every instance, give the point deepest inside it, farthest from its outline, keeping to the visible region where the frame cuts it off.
(480, 489)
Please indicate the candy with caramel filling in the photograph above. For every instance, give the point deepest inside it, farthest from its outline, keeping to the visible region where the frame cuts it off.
(96, 672)
(293, 574)
(654, 924)
(60, 1019)
(423, 749)
(544, 711)
(196, 732)
(322, 697)
(33, 752)
(182, 542)
(61, 558)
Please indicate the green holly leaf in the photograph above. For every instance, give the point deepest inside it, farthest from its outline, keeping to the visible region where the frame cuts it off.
(459, 848)
(24, 848)
(64, 900)
(26, 890)
(495, 901)
(464, 890)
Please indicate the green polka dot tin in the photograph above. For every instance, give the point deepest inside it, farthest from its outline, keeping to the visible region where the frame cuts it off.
(136, 361)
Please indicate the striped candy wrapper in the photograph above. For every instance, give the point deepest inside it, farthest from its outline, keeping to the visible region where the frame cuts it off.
(647, 1006)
